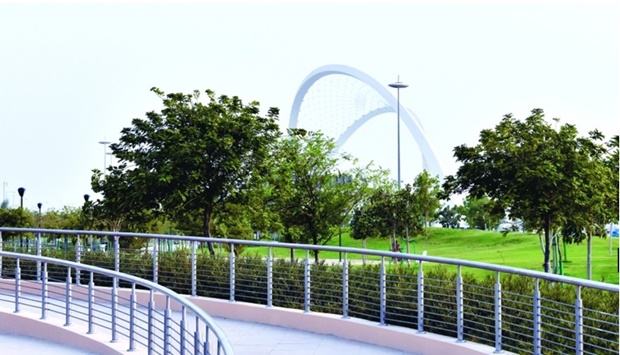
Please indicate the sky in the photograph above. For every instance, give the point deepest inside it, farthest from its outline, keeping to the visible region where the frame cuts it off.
(74, 74)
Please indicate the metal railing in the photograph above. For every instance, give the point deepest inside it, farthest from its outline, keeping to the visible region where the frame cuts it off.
(510, 309)
(177, 326)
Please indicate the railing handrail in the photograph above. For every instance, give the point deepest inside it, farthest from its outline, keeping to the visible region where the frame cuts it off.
(138, 281)
(414, 257)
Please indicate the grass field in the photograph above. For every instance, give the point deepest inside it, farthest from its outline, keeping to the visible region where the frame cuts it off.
(516, 250)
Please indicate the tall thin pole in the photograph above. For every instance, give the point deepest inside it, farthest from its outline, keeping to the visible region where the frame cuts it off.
(105, 146)
(398, 85)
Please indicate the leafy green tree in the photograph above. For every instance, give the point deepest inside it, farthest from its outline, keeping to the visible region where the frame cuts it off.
(597, 184)
(526, 168)
(449, 216)
(313, 197)
(17, 218)
(479, 213)
(427, 193)
(190, 157)
(363, 226)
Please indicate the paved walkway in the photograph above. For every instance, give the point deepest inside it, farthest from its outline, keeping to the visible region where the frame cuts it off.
(246, 339)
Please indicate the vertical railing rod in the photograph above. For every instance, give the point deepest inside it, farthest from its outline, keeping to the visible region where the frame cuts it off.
(197, 337)
(155, 259)
(44, 292)
(167, 316)
(345, 287)
(382, 289)
(38, 254)
(182, 331)
(91, 302)
(231, 274)
(78, 257)
(150, 321)
(420, 297)
(68, 298)
(459, 306)
(269, 277)
(113, 307)
(578, 322)
(132, 320)
(194, 268)
(207, 345)
(537, 318)
(18, 275)
(498, 314)
(117, 254)
(307, 282)
(1, 246)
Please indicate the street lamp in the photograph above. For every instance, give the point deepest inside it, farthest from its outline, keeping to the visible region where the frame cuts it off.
(21, 191)
(398, 85)
(105, 146)
(39, 205)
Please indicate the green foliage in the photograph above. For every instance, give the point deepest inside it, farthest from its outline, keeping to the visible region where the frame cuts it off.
(534, 172)
(311, 196)
(426, 190)
(17, 218)
(187, 159)
(480, 214)
(449, 216)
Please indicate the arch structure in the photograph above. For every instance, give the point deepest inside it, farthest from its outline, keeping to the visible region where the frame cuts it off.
(411, 121)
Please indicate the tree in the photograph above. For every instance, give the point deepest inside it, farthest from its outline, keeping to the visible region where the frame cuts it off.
(191, 156)
(449, 216)
(427, 195)
(363, 226)
(596, 186)
(526, 168)
(479, 214)
(313, 197)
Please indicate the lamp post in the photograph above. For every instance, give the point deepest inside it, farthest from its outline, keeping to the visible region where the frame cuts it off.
(39, 205)
(105, 146)
(398, 85)
(21, 191)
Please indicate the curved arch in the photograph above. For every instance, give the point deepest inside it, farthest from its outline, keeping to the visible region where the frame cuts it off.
(411, 121)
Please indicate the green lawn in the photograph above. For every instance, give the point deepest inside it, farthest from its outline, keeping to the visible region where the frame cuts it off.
(516, 249)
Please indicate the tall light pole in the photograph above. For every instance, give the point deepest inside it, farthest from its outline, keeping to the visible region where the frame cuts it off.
(39, 205)
(105, 146)
(398, 85)
(21, 191)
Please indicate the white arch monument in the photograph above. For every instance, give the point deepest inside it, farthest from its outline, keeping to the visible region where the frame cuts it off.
(411, 121)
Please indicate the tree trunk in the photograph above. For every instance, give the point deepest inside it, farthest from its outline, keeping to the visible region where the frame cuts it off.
(292, 254)
(589, 257)
(206, 227)
(546, 250)
(364, 255)
(407, 242)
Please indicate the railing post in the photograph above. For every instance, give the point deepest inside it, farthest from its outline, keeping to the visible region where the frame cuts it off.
(382, 288)
(68, 298)
(420, 297)
(78, 257)
(44, 292)
(167, 315)
(18, 275)
(498, 314)
(1, 255)
(197, 337)
(117, 254)
(91, 302)
(459, 306)
(345, 287)
(231, 260)
(578, 322)
(207, 345)
(113, 307)
(537, 318)
(39, 254)
(150, 321)
(269, 278)
(182, 331)
(155, 259)
(132, 320)
(307, 282)
(193, 267)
